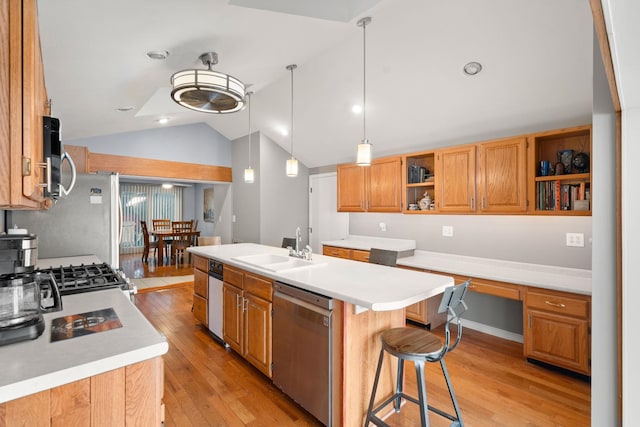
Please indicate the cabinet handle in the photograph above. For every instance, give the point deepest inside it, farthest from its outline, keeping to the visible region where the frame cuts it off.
(245, 304)
(554, 304)
(529, 321)
(484, 203)
(46, 165)
(238, 302)
(473, 203)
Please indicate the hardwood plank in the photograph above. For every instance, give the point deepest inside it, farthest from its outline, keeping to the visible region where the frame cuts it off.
(207, 384)
(107, 406)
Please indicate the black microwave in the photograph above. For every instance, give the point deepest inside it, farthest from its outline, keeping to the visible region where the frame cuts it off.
(53, 156)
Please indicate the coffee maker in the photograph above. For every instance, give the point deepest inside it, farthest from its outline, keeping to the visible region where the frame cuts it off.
(24, 292)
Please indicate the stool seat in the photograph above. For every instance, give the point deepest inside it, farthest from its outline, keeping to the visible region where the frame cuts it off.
(411, 343)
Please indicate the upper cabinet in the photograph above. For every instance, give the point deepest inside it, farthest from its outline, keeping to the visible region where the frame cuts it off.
(456, 179)
(375, 188)
(560, 171)
(23, 103)
(502, 176)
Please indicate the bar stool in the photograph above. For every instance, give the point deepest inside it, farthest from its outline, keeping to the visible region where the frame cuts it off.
(420, 346)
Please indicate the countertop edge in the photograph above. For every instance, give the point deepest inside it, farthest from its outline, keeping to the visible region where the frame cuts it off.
(65, 376)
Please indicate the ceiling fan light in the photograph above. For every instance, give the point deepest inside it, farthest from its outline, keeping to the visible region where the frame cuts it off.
(248, 175)
(208, 91)
(363, 157)
(292, 167)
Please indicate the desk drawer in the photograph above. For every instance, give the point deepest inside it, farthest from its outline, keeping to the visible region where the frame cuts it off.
(336, 252)
(556, 302)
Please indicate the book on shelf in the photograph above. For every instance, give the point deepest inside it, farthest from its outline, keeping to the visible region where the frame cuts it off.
(555, 196)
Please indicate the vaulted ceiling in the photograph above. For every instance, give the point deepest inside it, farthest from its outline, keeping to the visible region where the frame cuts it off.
(536, 57)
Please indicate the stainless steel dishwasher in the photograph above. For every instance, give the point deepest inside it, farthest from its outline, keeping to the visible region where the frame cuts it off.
(302, 348)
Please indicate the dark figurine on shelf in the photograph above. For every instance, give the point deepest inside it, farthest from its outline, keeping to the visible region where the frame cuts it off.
(581, 162)
(559, 168)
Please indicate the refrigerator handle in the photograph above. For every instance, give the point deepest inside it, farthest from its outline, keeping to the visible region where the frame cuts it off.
(64, 191)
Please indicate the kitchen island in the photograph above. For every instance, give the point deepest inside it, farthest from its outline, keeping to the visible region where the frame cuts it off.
(113, 375)
(368, 299)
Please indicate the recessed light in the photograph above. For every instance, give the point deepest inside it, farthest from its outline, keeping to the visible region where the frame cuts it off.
(167, 185)
(356, 109)
(163, 120)
(125, 109)
(472, 68)
(160, 55)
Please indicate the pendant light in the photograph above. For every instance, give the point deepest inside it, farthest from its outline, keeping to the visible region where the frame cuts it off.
(292, 163)
(248, 172)
(363, 157)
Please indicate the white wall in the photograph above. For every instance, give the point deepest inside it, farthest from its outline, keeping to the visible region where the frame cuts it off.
(604, 302)
(195, 143)
(222, 204)
(274, 205)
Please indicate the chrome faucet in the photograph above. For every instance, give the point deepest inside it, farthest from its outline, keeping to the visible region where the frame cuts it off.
(296, 252)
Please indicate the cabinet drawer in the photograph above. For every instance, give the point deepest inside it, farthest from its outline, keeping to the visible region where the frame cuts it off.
(259, 286)
(498, 289)
(201, 284)
(358, 255)
(200, 309)
(560, 303)
(232, 276)
(336, 252)
(201, 263)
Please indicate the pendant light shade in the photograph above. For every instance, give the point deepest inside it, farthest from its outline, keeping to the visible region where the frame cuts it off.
(292, 163)
(363, 158)
(248, 172)
(208, 91)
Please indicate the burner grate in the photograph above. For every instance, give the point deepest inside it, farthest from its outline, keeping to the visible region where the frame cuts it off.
(75, 279)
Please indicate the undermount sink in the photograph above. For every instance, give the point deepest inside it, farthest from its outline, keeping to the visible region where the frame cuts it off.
(277, 263)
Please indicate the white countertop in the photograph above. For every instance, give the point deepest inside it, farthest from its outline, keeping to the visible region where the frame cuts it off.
(370, 286)
(365, 243)
(543, 276)
(32, 366)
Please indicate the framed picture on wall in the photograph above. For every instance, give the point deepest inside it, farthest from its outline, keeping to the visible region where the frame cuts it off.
(209, 213)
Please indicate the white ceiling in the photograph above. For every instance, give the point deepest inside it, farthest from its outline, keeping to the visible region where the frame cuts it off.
(537, 58)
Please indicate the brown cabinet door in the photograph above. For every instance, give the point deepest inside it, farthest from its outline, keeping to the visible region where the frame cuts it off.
(455, 179)
(200, 309)
(201, 283)
(351, 188)
(232, 317)
(559, 340)
(384, 186)
(257, 333)
(417, 312)
(502, 177)
(336, 252)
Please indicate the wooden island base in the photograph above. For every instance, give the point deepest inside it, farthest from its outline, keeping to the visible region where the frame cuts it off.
(356, 350)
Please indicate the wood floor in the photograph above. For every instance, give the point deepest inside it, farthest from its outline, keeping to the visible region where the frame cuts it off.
(208, 385)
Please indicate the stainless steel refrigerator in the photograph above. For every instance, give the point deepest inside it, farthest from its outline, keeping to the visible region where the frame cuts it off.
(85, 222)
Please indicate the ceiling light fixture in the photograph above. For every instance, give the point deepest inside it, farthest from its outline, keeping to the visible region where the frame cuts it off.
(248, 172)
(363, 157)
(208, 91)
(163, 120)
(472, 68)
(292, 163)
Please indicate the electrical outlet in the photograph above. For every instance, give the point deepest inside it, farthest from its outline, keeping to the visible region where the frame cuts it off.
(575, 239)
(383, 226)
(233, 218)
(447, 231)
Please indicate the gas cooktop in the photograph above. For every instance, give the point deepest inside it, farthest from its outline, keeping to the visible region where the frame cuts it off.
(75, 279)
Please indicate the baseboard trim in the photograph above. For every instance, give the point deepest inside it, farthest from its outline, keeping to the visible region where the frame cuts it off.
(500, 333)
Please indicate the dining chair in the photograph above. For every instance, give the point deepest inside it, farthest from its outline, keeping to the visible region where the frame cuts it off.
(209, 240)
(383, 257)
(163, 225)
(180, 243)
(148, 244)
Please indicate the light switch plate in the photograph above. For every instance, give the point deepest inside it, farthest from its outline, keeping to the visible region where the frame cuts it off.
(575, 239)
(447, 231)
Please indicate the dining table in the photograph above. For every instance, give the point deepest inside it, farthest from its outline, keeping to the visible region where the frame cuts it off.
(161, 235)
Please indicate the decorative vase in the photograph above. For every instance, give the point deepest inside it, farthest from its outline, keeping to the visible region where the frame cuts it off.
(425, 202)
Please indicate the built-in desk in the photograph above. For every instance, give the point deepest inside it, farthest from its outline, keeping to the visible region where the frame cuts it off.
(556, 300)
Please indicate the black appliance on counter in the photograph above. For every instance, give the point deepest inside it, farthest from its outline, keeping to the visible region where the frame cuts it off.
(24, 293)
